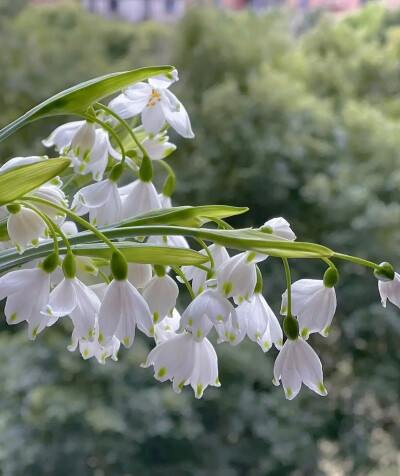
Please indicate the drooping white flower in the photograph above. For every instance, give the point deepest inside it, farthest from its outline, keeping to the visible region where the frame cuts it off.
(92, 348)
(208, 309)
(121, 310)
(160, 294)
(297, 362)
(69, 228)
(280, 227)
(390, 290)
(232, 331)
(25, 227)
(73, 298)
(156, 104)
(101, 200)
(237, 276)
(158, 147)
(174, 241)
(262, 324)
(139, 197)
(18, 161)
(314, 304)
(167, 328)
(54, 194)
(165, 201)
(199, 276)
(139, 274)
(185, 361)
(27, 292)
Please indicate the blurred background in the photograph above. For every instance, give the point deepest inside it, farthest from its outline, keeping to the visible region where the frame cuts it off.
(296, 110)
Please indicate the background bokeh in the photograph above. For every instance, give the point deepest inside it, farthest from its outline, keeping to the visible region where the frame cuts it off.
(299, 118)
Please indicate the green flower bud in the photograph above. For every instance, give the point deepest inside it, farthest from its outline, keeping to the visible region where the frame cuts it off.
(159, 270)
(146, 170)
(331, 277)
(50, 263)
(291, 327)
(116, 172)
(14, 208)
(385, 272)
(119, 266)
(69, 266)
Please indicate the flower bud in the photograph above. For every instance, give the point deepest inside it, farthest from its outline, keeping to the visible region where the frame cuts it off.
(385, 272)
(291, 327)
(119, 266)
(69, 266)
(331, 277)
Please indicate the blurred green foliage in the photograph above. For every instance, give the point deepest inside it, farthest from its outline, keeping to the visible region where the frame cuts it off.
(300, 122)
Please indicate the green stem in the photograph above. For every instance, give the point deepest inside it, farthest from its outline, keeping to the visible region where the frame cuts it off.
(354, 259)
(329, 263)
(65, 185)
(104, 276)
(183, 277)
(289, 286)
(205, 248)
(222, 224)
(110, 130)
(77, 218)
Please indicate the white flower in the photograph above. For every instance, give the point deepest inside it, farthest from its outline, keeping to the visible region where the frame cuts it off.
(54, 194)
(199, 276)
(185, 362)
(207, 309)
(27, 292)
(92, 348)
(232, 331)
(158, 147)
(165, 201)
(121, 310)
(156, 104)
(174, 241)
(101, 200)
(167, 328)
(280, 227)
(390, 290)
(139, 274)
(297, 362)
(72, 297)
(314, 304)
(69, 228)
(237, 276)
(160, 294)
(262, 324)
(139, 197)
(25, 228)
(18, 161)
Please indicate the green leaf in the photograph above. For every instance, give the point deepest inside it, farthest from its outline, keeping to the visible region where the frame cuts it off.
(77, 99)
(16, 182)
(3, 230)
(184, 216)
(144, 253)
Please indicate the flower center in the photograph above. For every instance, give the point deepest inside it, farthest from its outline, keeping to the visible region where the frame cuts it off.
(155, 97)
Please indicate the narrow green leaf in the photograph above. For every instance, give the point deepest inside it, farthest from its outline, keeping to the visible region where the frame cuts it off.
(16, 182)
(144, 253)
(77, 99)
(184, 216)
(3, 230)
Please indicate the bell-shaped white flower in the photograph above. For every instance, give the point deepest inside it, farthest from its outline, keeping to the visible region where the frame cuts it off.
(199, 276)
(208, 309)
(54, 194)
(232, 331)
(297, 362)
(237, 276)
(160, 294)
(73, 298)
(185, 361)
(101, 200)
(314, 304)
(280, 227)
(156, 104)
(25, 227)
(141, 197)
(121, 310)
(167, 328)
(157, 147)
(174, 241)
(139, 274)
(18, 161)
(27, 292)
(390, 290)
(69, 228)
(262, 324)
(92, 348)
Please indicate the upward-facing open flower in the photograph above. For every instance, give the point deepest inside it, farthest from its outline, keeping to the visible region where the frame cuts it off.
(101, 200)
(73, 298)
(297, 362)
(160, 294)
(27, 292)
(121, 310)
(314, 304)
(390, 290)
(156, 104)
(185, 361)
(208, 309)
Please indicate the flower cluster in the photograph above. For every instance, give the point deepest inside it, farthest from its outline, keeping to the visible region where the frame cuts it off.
(126, 270)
